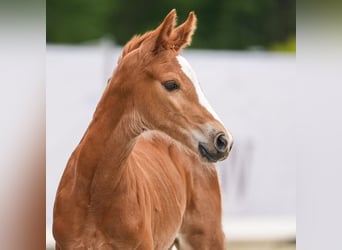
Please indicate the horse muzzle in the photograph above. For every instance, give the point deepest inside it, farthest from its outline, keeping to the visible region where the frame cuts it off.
(216, 149)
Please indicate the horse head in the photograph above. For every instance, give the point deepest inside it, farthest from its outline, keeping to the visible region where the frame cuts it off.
(163, 91)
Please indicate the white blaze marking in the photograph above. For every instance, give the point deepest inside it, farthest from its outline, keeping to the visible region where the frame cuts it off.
(189, 72)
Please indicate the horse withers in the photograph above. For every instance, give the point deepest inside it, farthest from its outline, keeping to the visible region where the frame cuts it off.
(142, 176)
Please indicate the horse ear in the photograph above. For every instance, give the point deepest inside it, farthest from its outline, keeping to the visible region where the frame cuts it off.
(182, 35)
(164, 31)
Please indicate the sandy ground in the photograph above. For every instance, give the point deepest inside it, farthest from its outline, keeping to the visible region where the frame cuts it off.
(261, 246)
(255, 246)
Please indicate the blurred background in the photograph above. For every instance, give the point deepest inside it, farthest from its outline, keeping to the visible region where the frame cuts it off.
(244, 56)
(226, 24)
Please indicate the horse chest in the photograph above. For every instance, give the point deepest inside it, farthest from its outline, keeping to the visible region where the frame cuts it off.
(143, 206)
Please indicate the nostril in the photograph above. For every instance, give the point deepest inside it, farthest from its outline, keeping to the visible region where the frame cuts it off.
(221, 143)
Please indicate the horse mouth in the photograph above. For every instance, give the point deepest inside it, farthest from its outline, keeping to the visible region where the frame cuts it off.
(205, 154)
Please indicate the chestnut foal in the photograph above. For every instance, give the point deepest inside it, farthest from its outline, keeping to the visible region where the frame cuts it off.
(142, 176)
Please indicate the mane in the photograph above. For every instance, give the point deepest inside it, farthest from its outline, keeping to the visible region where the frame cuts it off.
(134, 44)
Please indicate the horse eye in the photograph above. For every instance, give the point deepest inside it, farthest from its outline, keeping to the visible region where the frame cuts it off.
(170, 85)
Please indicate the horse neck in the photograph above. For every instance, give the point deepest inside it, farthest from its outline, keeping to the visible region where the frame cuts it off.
(107, 143)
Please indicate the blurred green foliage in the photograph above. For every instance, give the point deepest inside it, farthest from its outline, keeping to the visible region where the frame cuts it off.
(288, 46)
(222, 24)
